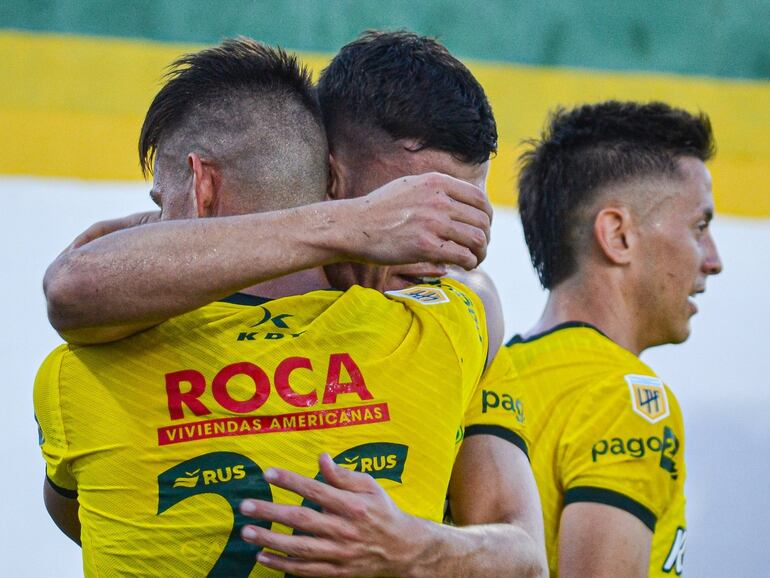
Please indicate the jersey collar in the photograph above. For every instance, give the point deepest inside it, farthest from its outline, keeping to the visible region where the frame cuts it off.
(566, 325)
(244, 299)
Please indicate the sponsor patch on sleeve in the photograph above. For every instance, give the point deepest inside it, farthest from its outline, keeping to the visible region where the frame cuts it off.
(421, 294)
(648, 397)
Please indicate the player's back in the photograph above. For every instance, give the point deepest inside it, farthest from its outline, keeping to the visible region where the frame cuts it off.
(605, 429)
(164, 433)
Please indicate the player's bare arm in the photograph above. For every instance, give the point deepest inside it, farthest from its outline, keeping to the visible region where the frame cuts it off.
(492, 484)
(63, 511)
(102, 228)
(134, 278)
(361, 532)
(598, 541)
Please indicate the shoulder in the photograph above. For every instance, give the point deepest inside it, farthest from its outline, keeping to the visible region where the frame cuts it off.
(633, 389)
(629, 422)
(48, 373)
(447, 299)
(47, 394)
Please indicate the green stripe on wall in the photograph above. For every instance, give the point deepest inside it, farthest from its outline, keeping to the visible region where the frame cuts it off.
(701, 37)
(72, 106)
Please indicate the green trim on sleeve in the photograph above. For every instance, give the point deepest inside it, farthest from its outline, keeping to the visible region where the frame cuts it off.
(500, 432)
(71, 494)
(611, 498)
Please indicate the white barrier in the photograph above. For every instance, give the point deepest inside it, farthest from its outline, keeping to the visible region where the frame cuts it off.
(720, 375)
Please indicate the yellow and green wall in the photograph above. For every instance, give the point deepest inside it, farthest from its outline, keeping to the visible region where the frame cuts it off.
(78, 75)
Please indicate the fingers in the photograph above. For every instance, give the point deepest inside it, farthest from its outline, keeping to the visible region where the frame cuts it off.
(343, 479)
(461, 191)
(469, 237)
(328, 497)
(299, 567)
(462, 215)
(102, 228)
(93, 232)
(297, 517)
(306, 547)
(471, 216)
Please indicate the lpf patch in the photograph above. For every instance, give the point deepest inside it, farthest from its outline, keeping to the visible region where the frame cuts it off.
(424, 295)
(648, 397)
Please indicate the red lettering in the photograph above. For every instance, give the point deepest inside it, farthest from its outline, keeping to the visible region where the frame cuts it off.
(333, 386)
(283, 387)
(190, 398)
(261, 387)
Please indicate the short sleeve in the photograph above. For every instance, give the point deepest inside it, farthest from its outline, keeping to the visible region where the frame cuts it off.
(496, 407)
(460, 314)
(48, 414)
(624, 447)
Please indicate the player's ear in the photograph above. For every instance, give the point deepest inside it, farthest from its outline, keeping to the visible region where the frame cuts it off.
(410, 144)
(614, 233)
(337, 180)
(204, 185)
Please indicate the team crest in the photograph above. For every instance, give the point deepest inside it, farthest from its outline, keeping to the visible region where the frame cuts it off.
(648, 397)
(421, 294)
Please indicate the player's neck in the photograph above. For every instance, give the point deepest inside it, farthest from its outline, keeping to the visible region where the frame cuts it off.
(599, 303)
(294, 284)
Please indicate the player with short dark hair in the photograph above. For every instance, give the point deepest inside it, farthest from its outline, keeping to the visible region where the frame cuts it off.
(397, 103)
(615, 201)
(585, 150)
(409, 87)
(413, 545)
(439, 119)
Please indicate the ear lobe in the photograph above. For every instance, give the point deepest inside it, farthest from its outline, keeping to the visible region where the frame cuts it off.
(614, 234)
(204, 185)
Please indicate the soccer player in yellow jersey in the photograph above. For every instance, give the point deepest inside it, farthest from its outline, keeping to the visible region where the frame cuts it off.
(375, 381)
(615, 200)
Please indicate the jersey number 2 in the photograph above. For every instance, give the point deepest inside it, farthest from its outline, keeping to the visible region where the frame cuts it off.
(235, 478)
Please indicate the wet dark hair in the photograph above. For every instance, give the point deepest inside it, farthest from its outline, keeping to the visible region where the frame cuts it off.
(208, 79)
(409, 86)
(587, 148)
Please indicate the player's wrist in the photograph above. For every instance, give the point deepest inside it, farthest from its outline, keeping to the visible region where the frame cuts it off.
(420, 550)
(327, 230)
(317, 232)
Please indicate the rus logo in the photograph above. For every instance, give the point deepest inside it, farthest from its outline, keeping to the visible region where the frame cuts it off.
(214, 476)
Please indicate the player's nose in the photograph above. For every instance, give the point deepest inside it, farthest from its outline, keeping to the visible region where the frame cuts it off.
(712, 262)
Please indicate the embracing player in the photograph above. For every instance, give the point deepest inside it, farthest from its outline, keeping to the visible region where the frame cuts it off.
(615, 200)
(241, 386)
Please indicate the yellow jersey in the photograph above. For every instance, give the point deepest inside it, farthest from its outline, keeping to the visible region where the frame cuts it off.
(161, 435)
(604, 429)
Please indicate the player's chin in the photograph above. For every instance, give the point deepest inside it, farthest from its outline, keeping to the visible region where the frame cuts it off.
(681, 333)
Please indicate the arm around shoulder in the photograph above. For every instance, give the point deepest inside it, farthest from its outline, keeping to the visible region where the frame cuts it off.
(116, 280)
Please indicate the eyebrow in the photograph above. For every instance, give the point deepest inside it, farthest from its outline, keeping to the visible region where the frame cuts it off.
(708, 213)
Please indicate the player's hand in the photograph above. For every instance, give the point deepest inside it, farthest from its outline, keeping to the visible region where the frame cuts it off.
(102, 228)
(359, 532)
(430, 218)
